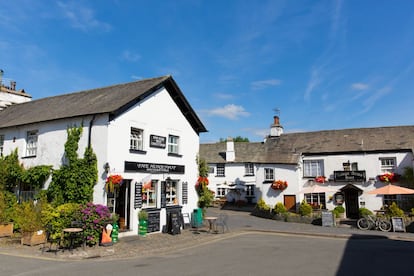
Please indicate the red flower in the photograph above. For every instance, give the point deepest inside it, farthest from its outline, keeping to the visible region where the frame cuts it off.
(279, 185)
(320, 179)
(388, 177)
(113, 182)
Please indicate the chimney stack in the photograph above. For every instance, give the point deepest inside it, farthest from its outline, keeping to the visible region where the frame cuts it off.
(276, 128)
(230, 155)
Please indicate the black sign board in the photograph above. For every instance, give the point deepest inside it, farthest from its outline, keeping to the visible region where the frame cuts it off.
(138, 195)
(328, 219)
(398, 224)
(185, 193)
(349, 176)
(175, 223)
(163, 194)
(153, 167)
(158, 141)
(153, 222)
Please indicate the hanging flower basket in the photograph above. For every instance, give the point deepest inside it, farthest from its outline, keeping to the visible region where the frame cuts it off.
(320, 179)
(388, 177)
(279, 185)
(113, 182)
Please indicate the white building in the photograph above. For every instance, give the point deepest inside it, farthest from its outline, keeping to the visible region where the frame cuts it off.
(145, 131)
(350, 160)
(9, 95)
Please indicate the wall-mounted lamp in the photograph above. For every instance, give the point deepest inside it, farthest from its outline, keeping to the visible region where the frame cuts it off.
(107, 168)
(371, 180)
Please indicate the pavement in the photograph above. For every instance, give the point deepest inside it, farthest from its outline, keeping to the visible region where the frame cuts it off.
(240, 222)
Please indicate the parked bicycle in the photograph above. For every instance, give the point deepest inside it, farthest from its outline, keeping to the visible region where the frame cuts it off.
(369, 222)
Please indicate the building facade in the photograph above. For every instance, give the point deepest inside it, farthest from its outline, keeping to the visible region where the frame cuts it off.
(324, 168)
(144, 131)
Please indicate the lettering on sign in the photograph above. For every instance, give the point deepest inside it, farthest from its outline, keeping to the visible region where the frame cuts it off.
(158, 141)
(153, 167)
(349, 176)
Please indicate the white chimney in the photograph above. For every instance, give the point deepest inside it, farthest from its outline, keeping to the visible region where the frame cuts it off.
(276, 129)
(230, 155)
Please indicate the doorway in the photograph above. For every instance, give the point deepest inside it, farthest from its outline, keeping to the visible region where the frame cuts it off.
(122, 200)
(351, 194)
(290, 202)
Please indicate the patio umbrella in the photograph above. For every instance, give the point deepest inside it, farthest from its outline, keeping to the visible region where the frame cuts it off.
(315, 189)
(391, 189)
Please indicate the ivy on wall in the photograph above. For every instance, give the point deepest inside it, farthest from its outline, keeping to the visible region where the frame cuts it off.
(74, 181)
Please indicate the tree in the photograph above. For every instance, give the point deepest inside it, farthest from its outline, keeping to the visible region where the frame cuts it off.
(236, 139)
(10, 172)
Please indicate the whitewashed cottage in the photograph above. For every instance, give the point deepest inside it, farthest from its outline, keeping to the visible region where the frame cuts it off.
(145, 131)
(325, 168)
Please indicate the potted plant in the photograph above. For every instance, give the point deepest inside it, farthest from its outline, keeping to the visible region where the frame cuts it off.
(29, 219)
(8, 203)
(143, 222)
(339, 211)
(113, 182)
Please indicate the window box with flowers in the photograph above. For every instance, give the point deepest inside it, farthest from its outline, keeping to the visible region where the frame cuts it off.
(279, 185)
(388, 177)
(320, 179)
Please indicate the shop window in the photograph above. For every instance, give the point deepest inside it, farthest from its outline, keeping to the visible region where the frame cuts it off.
(149, 194)
(312, 168)
(136, 139)
(269, 174)
(249, 169)
(388, 164)
(220, 170)
(172, 192)
(31, 143)
(250, 190)
(316, 200)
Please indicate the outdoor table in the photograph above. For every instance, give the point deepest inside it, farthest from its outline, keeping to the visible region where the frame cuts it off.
(211, 221)
(73, 233)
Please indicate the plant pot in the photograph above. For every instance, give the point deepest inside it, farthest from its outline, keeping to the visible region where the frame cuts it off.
(33, 238)
(6, 229)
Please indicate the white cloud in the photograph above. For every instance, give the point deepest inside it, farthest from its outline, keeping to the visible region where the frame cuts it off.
(130, 57)
(81, 17)
(230, 111)
(314, 81)
(359, 86)
(256, 85)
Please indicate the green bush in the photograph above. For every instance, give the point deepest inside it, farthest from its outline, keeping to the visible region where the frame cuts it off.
(363, 212)
(8, 203)
(338, 210)
(394, 211)
(57, 218)
(280, 208)
(305, 209)
(261, 205)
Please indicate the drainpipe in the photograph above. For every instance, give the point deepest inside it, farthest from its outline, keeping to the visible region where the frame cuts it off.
(90, 131)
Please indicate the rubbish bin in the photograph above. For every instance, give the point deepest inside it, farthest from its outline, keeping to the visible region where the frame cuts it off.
(197, 218)
(114, 234)
(142, 228)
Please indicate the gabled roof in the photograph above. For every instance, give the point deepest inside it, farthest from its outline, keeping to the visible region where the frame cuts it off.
(288, 148)
(112, 99)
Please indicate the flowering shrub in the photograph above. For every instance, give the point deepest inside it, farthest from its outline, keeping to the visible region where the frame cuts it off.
(94, 217)
(113, 182)
(320, 179)
(279, 185)
(388, 177)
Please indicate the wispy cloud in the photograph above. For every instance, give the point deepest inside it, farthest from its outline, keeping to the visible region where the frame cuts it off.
(261, 84)
(130, 56)
(230, 111)
(82, 18)
(359, 86)
(224, 96)
(314, 81)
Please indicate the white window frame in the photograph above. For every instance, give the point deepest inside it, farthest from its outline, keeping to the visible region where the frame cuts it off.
(172, 192)
(316, 200)
(313, 168)
(149, 196)
(136, 139)
(1, 144)
(249, 169)
(388, 164)
(31, 143)
(269, 174)
(173, 144)
(221, 170)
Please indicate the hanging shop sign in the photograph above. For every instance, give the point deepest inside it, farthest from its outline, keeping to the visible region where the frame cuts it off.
(153, 167)
(349, 176)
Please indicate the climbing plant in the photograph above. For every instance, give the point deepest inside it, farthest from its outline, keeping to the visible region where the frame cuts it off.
(10, 172)
(205, 195)
(74, 181)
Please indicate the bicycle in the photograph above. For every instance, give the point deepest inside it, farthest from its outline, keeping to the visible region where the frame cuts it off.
(369, 222)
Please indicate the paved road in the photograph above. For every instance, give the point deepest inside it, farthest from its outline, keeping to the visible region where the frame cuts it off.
(255, 253)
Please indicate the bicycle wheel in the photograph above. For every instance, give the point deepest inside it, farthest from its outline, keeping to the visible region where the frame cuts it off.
(363, 224)
(384, 225)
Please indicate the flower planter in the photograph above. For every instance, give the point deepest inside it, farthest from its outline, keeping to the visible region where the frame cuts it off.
(6, 229)
(33, 238)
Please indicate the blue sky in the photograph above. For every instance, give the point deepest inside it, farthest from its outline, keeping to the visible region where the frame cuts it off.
(323, 64)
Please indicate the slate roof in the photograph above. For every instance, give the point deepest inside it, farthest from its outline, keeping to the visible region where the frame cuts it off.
(288, 148)
(112, 99)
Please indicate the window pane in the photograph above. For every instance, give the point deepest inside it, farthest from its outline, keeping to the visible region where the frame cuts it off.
(136, 139)
(31, 143)
(313, 168)
(172, 192)
(220, 170)
(149, 194)
(173, 144)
